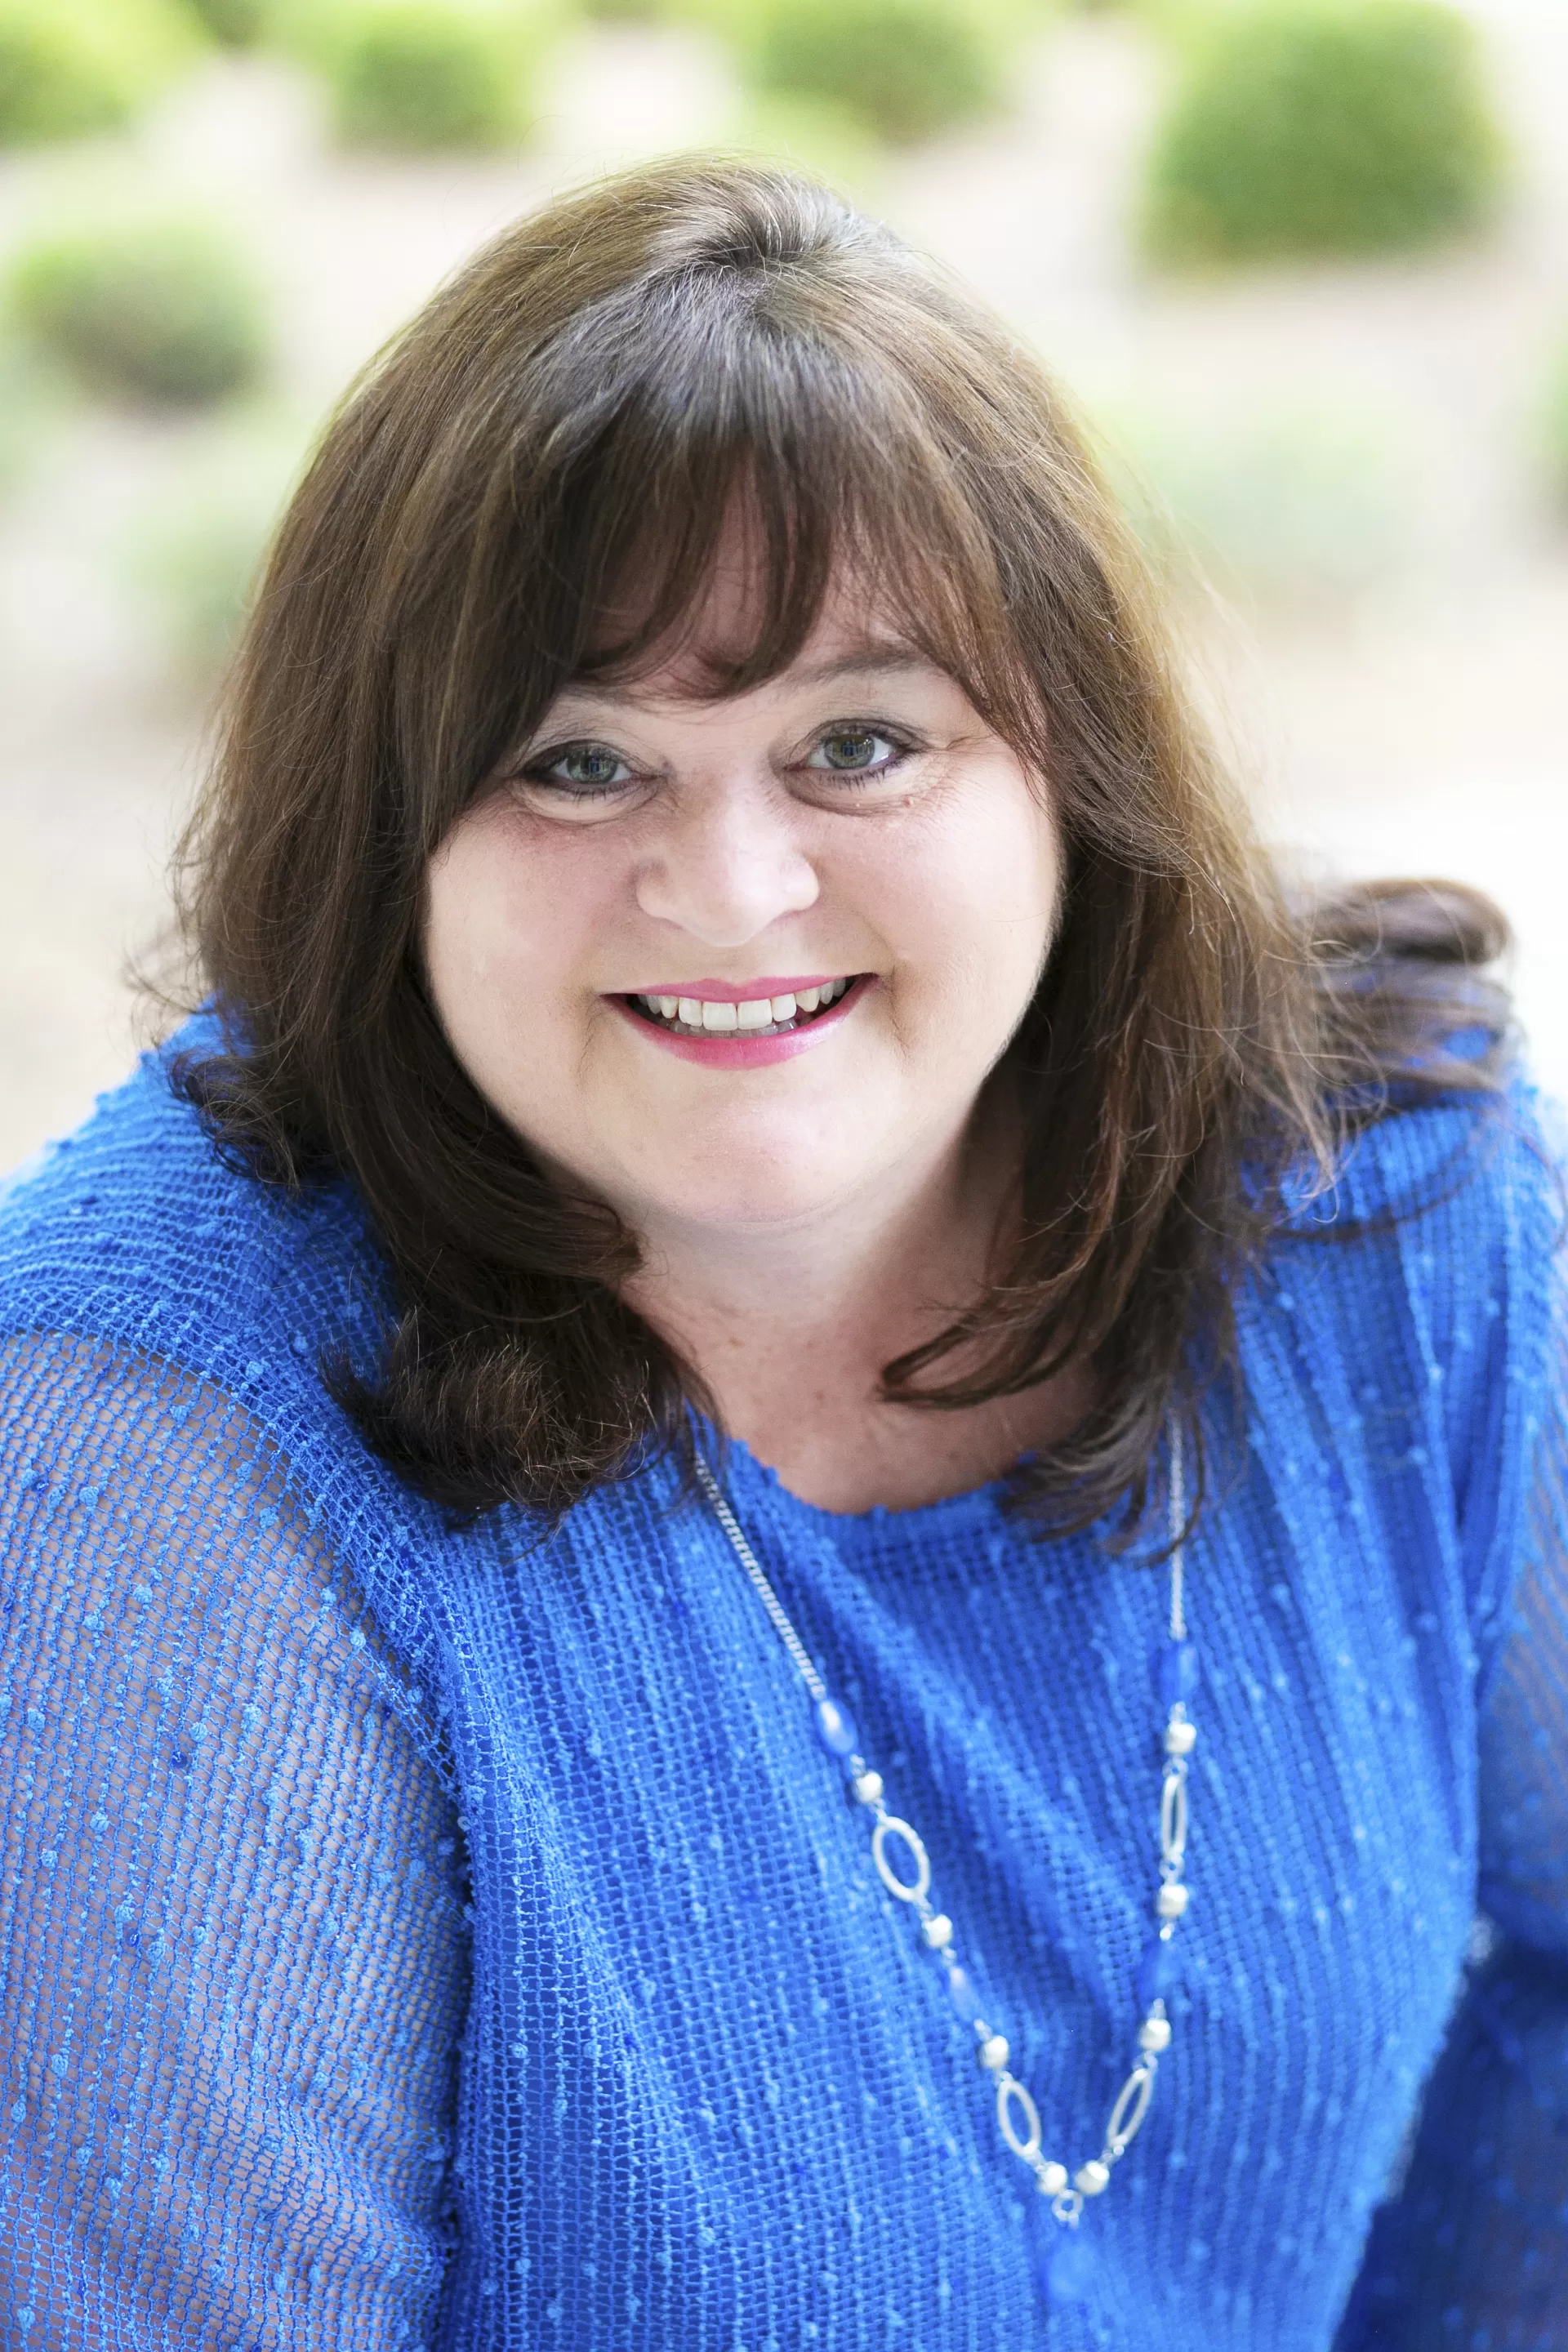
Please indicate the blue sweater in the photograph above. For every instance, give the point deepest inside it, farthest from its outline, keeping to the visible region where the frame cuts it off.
(421, 1934)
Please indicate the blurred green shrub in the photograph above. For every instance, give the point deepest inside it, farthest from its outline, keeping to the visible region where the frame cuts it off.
(237, 24)
(71, 67)
(162, 311)
(1289, 503)
(1324, 127)
(417, 75)
(907, 69)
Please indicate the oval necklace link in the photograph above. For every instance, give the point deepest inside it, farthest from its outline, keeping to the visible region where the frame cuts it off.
(905, 1890)
(1017, 2115)
(1010, 2092)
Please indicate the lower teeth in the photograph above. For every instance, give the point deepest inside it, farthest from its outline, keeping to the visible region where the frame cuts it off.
(773, 1029)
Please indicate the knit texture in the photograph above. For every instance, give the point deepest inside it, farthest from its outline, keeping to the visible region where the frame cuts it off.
(454, 1936)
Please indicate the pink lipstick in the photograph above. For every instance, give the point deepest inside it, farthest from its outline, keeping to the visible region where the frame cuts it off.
(763, 1021)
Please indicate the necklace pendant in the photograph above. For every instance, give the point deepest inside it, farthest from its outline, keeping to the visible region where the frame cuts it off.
(1064, 2267)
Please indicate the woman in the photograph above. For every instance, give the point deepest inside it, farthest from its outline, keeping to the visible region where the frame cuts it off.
(605, 1492)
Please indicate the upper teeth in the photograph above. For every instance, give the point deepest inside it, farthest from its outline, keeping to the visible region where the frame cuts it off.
(750, 1013)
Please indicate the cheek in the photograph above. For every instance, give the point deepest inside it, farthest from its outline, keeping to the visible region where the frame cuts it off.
(502, 939)
(979, 906)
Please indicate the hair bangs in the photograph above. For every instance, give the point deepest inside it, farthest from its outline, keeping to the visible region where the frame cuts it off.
(745, 438)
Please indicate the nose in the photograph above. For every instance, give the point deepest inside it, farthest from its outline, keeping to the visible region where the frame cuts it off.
(726, 863)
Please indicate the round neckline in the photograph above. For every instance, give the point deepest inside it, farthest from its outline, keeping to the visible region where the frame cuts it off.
(985, 1501)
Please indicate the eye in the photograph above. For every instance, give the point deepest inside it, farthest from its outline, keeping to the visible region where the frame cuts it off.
(582, 769)
(855, 750)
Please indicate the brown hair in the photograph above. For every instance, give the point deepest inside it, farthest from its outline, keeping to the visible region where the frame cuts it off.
(580, 410)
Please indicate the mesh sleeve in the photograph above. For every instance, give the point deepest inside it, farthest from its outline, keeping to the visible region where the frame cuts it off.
(1474, 2251)
(231, 1927)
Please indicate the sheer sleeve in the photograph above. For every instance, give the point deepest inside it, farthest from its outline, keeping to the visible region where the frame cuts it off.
(232, 1942)
(1474, 2250)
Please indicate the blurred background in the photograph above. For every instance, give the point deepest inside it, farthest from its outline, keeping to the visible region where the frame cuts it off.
(1303, 266)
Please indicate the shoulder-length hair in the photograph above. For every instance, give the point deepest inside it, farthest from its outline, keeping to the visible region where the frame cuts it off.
(557, 441)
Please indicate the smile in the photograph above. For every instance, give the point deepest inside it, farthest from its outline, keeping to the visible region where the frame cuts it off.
(712, 1025)
(751, 1017)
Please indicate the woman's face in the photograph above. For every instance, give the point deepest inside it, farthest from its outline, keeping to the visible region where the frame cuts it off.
(745, 964)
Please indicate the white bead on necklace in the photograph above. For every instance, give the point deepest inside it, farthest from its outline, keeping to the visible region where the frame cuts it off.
(903, 1865)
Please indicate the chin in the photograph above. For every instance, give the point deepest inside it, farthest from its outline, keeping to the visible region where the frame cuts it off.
(739, 1190)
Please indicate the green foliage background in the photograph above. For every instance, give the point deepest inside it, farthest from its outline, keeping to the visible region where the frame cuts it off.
(905, 68)
(68, 68)
(192, 556)
(1553, 429)
(159, 311)
(412, 76)
(237, 24)
(1324, 127)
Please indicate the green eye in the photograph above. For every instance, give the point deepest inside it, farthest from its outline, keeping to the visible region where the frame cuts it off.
(850, 751)
(588, 767)
(581, 771)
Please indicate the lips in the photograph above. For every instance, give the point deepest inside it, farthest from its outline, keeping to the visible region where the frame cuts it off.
(719, 1040)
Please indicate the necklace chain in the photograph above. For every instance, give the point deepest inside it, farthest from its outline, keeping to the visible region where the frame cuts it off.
(894, 1841)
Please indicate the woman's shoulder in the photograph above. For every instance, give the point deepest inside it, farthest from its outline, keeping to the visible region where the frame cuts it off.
(135, 1240)
(1422, 1279)
(1405, 1327)
(1474, 1171)
(136, 1230)
(162, 1319)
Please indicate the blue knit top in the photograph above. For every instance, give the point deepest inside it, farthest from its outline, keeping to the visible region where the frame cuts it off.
(425, 1934)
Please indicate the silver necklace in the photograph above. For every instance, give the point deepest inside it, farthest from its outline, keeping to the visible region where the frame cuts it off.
(902, 1863)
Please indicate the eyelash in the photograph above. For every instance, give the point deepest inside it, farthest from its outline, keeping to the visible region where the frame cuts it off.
(537, 771)
(901, 745)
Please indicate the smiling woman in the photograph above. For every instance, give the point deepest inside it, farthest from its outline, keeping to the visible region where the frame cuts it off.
(766, 1199)
(904, 862)
(620, 536)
